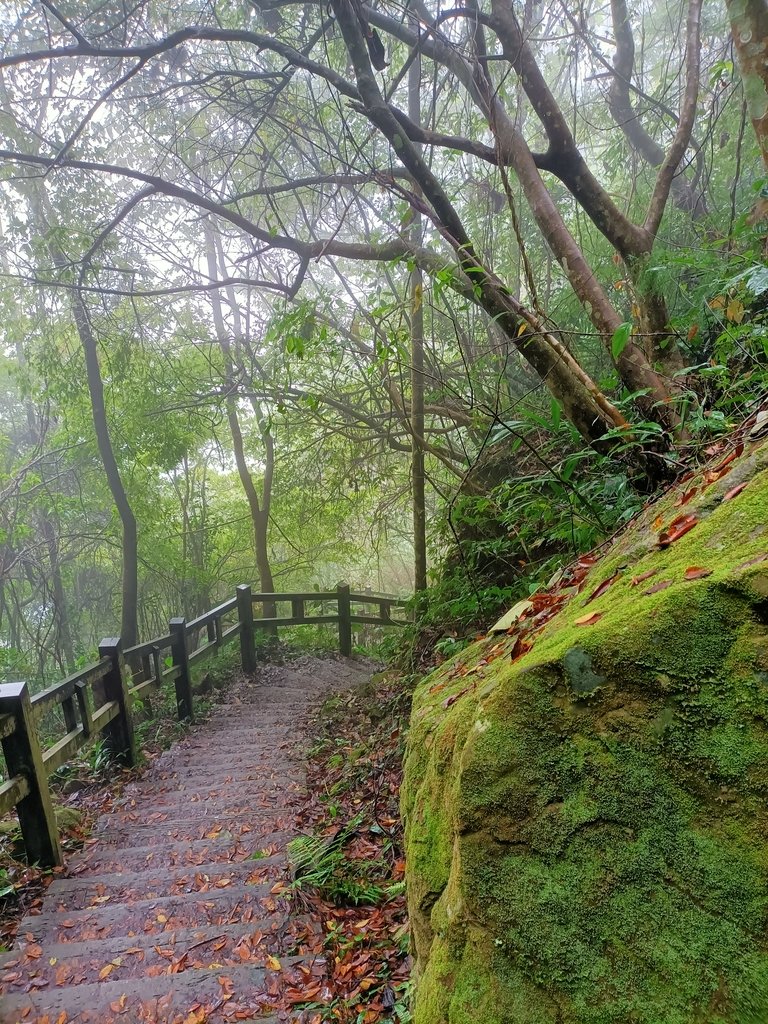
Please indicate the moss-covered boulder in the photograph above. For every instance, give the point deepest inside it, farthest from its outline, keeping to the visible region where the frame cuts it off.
(587, 819)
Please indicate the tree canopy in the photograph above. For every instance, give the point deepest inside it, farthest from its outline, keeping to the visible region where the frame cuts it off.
(292, 291)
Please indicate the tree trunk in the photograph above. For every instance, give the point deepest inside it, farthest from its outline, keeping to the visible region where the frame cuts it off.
(749, 23)
(259, 515)
(129, 622)
(129, 618)
(417, 369)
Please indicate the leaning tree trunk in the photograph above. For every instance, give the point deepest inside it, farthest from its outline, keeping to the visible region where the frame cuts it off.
(129, 616)
(749, 23)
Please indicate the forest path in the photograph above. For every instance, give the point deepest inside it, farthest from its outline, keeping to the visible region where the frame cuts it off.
(168, 915)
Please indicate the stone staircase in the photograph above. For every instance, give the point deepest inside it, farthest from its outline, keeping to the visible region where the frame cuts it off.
(173, 913)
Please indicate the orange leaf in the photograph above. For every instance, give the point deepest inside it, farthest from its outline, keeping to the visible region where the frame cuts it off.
(106, 971)
(658, 586)
(643, 577)
(34, 952)
(693, 572)
(589, 620)
(734, 491)
(677, 529)
(602, 588)
(274, 964)
(686, 497)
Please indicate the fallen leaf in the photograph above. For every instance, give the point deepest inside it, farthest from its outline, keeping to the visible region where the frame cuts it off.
(273, 963)
(643, 577)
(589, 620)
(734, 491)
(599, 591)
(686, 496)
(693, 572)
(677, 529)
(658, 586)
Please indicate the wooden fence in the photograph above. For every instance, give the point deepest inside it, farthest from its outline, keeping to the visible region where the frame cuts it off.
(98, 700)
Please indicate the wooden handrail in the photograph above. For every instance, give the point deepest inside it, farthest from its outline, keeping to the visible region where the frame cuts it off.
(121, 677)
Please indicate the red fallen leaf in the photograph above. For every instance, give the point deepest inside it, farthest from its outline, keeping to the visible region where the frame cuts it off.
(519, 648)
(686, 497)
(34, 952)
(589, 620)
(693, 572)
(643, 577)
(677, 529)
(599, 591)
(734, 491)
(658, 586)
(720, 470)
(455, 696)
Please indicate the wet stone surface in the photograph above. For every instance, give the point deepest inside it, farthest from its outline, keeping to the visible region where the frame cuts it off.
(173, 913)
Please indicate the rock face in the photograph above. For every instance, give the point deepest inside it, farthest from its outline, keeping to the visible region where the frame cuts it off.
(587, 822)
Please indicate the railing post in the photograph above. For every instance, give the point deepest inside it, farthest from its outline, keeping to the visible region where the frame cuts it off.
(118, 734)
(180, 656)
(23, 757)
(345, 619)
(245, 616)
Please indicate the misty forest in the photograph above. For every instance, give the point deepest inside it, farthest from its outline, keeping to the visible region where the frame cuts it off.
(408, 365)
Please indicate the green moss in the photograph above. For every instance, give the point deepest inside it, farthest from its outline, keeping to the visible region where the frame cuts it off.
(587, 826)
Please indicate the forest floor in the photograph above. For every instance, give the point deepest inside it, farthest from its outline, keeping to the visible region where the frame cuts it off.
(186, 904)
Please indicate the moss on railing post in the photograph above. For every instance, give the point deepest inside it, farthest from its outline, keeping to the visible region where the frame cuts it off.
(180, 655)
(23, 757)
(118, 735)
(245, 616)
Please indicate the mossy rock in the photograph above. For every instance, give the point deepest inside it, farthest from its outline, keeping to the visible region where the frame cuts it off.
(587, 825)
(68, 817)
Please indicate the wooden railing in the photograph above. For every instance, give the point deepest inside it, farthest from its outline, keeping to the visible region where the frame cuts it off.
(98, 701)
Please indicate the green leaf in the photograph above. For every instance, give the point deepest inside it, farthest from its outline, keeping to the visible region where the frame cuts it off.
(620, 338)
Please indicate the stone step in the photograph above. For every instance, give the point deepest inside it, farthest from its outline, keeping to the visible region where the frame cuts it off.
(141, 829)
(79, 893)
(182, 938)
(153, 915)
(163, 999)
(104, 858)
(212, 947)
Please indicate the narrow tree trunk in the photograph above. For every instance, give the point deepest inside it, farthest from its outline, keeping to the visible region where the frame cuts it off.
(62, 632)
(129, 618)
(259, 515)
(749, 23)
(129, 622)
(417, 369)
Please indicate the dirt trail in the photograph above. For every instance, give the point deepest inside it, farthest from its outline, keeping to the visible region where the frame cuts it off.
(167, 916)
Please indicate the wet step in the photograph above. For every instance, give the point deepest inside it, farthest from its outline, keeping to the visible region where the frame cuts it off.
(162, 998)
(93, 891)
(166, 915)
(154, 915)
(103, 858)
